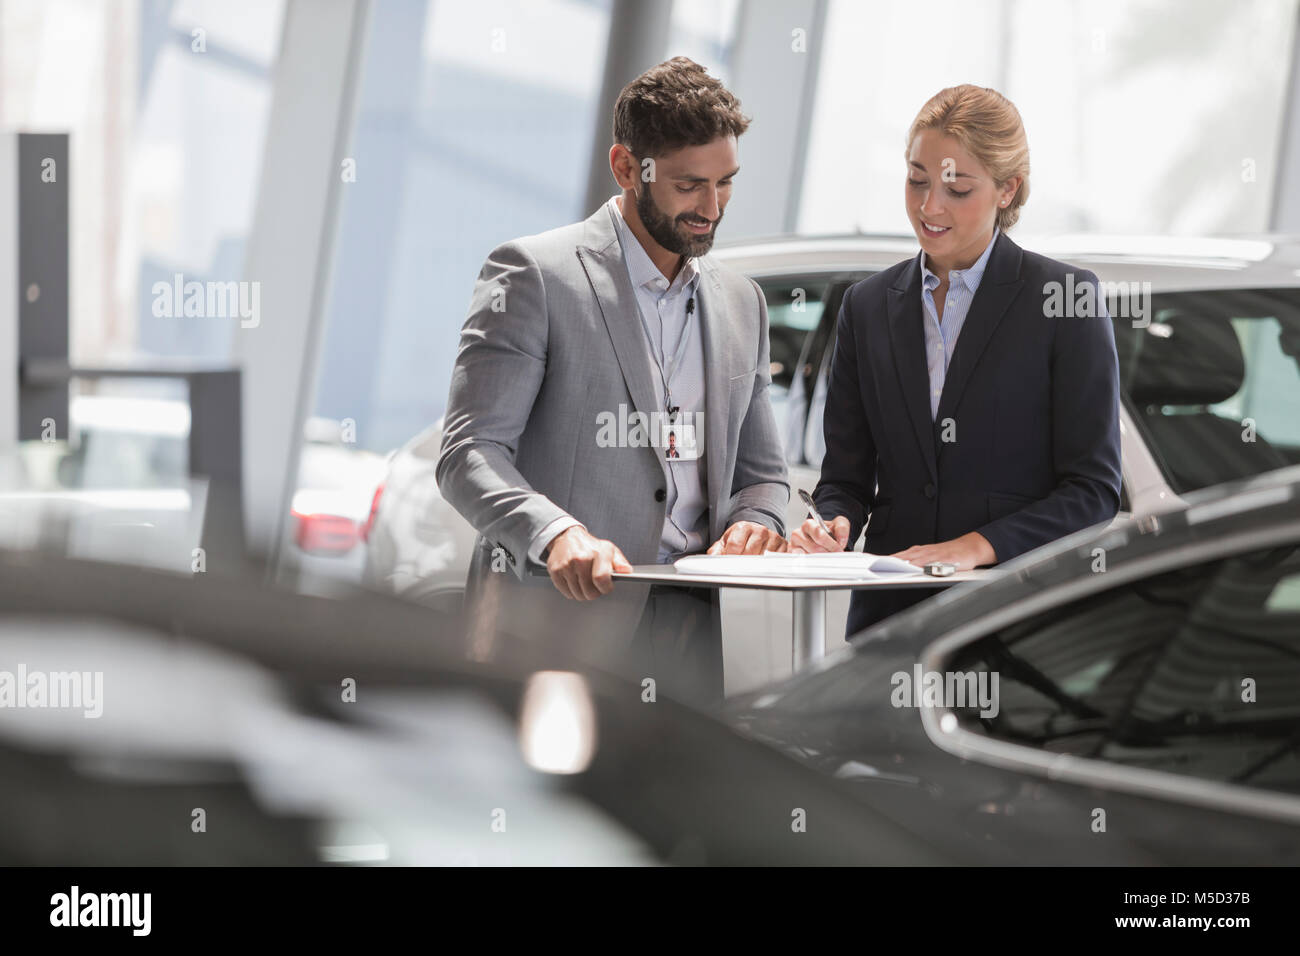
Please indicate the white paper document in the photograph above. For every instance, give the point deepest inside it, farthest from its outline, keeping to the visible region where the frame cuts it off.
(831, 564)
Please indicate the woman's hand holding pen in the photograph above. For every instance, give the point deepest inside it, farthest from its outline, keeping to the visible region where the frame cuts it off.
(809, 538)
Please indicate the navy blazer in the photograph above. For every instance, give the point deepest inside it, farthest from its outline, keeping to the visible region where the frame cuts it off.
(1030, 405)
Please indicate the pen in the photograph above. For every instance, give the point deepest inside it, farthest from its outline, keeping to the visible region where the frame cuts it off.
(812, 510)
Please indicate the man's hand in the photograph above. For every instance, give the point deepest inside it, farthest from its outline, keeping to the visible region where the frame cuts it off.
(580, 564)
(967, 552)
(809, 538)
(747, 537)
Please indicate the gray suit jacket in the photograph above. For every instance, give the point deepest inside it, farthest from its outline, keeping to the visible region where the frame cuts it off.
(553, 340)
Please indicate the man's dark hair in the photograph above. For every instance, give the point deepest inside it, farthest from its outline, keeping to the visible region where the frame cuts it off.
(672, 105)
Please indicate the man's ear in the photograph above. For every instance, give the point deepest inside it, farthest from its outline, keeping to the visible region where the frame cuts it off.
(624, 166)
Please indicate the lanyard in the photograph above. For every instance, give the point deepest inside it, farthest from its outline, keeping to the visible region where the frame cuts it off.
(682, 342)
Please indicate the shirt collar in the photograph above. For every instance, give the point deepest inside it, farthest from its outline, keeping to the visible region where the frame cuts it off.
(970, 278)
(641, 268)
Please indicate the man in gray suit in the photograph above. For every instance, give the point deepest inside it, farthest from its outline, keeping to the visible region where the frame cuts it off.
(585, 348)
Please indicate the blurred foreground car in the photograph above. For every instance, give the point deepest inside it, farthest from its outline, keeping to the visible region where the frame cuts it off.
(1124, 696)
(150, 718)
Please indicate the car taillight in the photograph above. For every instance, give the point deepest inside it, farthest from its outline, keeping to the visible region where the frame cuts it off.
(325, 533)
(374, 512)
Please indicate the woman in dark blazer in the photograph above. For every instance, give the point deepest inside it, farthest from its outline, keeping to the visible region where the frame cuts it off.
(972, 411)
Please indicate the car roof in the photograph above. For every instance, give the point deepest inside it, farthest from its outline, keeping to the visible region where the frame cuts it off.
(1169, 263)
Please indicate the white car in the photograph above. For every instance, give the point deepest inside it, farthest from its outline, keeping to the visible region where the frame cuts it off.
(1209, 374)
(417, 545)
(331, 505)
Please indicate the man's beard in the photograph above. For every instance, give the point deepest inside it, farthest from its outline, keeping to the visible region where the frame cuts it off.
(664, 230)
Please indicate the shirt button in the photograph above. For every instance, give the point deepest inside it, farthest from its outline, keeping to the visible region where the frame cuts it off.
(930, 490)
(660, 494)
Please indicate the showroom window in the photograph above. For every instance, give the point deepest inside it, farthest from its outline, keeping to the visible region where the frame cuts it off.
(166, 104)
(1075, 69)
(473, 126)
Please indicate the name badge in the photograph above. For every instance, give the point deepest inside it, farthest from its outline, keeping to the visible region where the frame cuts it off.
(678, 440)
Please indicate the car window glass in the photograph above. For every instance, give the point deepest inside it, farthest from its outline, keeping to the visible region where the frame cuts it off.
(814, 445)
(1195, 671)
(794, 307)
(1214, 378)
(817, 363)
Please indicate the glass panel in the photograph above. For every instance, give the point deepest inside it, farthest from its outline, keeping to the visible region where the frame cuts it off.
(166, 104)
(474, 126)
(704, 31)
(1118, 136)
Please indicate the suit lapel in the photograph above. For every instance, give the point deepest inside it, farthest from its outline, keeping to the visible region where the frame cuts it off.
(719, 361)
(602, 260)
(1000, 285)
(907, 340)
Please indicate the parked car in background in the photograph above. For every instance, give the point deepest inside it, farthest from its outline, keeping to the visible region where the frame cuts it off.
(1220, 345)
(1123, 696)
(118, 487)
(1210, 383)
(417, 545)
(125, 441)
(337, 484)
(110, 484)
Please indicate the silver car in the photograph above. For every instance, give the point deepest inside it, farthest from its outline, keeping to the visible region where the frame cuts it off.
(1208, 334)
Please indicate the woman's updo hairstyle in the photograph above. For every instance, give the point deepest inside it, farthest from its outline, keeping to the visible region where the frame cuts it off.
(988, 126)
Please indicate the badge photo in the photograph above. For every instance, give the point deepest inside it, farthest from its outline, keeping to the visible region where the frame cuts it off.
(678, 441)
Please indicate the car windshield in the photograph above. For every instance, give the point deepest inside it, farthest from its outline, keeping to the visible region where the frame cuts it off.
(1213, 382)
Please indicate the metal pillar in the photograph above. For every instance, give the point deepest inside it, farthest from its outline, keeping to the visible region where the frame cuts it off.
(638, 40)
(775, 63)
(1285, 214)
(809, 630)
(290, 251)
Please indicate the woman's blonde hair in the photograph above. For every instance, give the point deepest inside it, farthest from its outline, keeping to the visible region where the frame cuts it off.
(988, 126)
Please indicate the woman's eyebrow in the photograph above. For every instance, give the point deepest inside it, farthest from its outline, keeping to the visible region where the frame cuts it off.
(913, 162)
